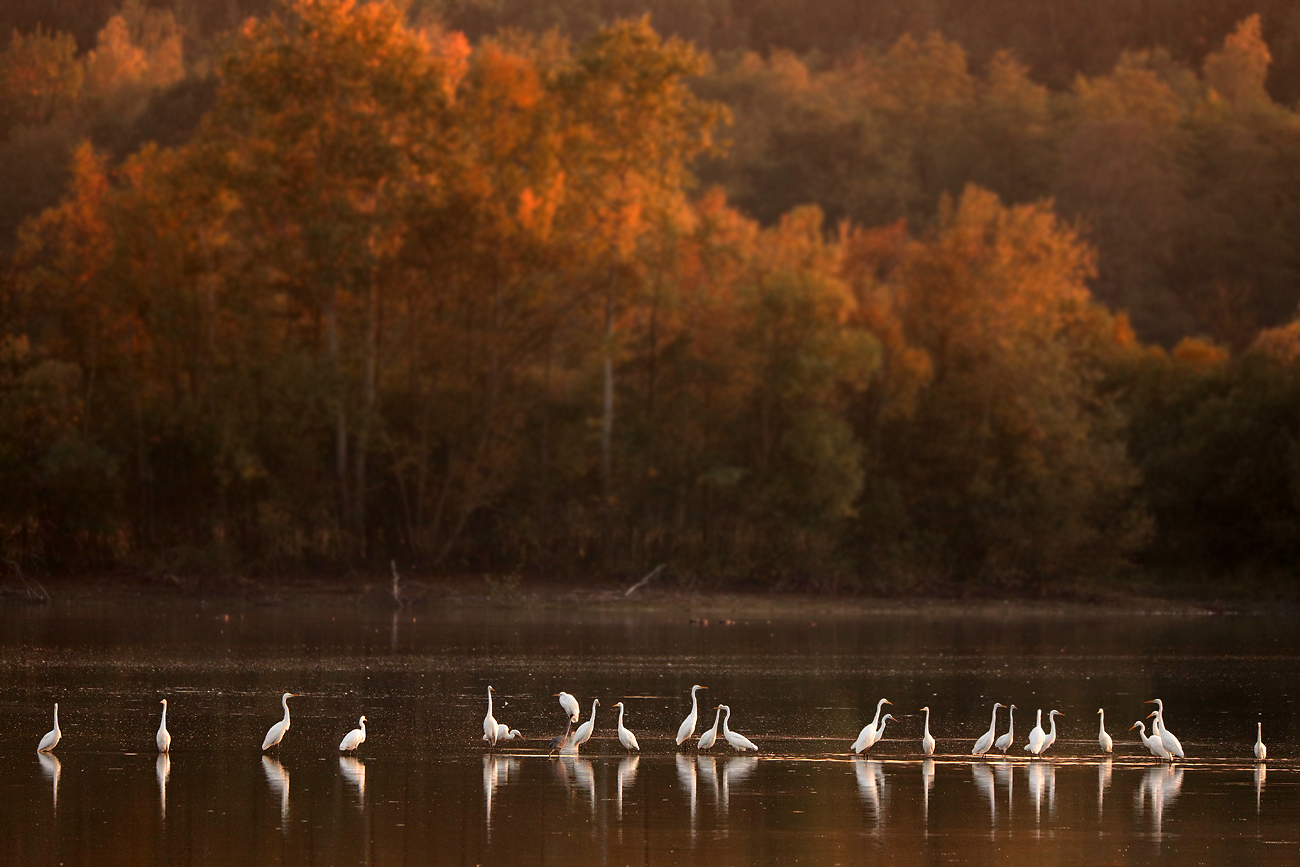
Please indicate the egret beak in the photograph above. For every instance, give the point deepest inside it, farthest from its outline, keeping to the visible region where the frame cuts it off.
(1135, 725)
(1153, 713)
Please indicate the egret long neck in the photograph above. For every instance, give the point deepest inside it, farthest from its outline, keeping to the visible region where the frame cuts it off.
(284, 702)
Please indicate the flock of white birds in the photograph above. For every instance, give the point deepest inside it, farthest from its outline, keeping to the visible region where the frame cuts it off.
(1161, 742)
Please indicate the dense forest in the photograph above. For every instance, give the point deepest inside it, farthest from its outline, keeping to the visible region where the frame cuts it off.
(898, 299)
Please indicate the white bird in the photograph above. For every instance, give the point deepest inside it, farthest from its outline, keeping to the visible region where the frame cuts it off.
(51, 739)
(986, 740)
(276, 732)
(687, 728)
(880, 731)
(1036, 734)
(1261, 751)
(164, 737)
(1004, 742)
(1166, 736)
(871, 731)
(505, 733)
(740, 742)
(489, 722)
(583, 734)
(625, 737)
(927, 740)
(569, 704)
(709, 738)
(1151, 743)
(354, 738)
(1049, 739)
(1103, 739)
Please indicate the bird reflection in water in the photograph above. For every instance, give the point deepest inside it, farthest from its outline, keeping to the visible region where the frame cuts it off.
(277, 777)
(687, 776)
(578, 777)
(734, 772)
(872, 785)
(1041, 779)
(1103, 781)
(163, 770)
(982, 775)
(706, 775)
(496, 773)
(1005, 772)
(1261, 771)
(626, 777)
(50, 765)
(927, 784)
(354, 771)
(1161, 785)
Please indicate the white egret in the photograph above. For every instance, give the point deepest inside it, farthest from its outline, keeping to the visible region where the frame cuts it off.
(871, 731)
(52, 737)
(687, 728)
(986, 740)
(1103, 739)
(354, 738)
(1261, 751)
(569, 704)
(505, 733)
(489, 722)
(164, 737)
(1049, 738)
(1004, 742)
(1166, 736)
(709, 738)
(625, 737)
(583, 734)
(1036, 734)
(927, 740)
(276, 732)
(1151, 743)
(740, 742)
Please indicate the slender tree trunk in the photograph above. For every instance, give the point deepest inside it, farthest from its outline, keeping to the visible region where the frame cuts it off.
(340, 412)
(368, 400)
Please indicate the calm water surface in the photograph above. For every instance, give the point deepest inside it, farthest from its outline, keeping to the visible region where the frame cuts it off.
(424, 789)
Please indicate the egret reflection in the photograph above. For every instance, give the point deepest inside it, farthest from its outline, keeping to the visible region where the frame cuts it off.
(1103, 781)
(872, 785)
(734, 772)
(626, 777)
(982, 775)
(927, 785)
(277, 777)
(354, 771)
(1160, 785)
(52, 768)
(163, 770)
(1041, 779)
(688, 777)
(1261, 771)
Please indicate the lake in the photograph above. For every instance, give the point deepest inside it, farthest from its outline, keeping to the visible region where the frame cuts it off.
(425, 788)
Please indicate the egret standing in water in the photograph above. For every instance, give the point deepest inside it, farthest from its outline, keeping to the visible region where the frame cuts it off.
(1261, 751)
(740, 742)
(583, 734)
(52, 737)
(354, 738)
(1103, 739)
(276, 732)
(986, 740)
(1004, 742)
(1166, 736)
(625, 737)
(871, 731)
(709, 738)
(505, 733)
(1151, 743)
(489, 722)
(569, 704)
(687, 728)
(879, 734)
(1051, 735)
(1036, 734)
(927, 740)
(164, 737)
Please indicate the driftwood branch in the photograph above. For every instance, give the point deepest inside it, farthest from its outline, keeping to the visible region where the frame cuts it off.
(654, 573)
(33, 590)
(397, 584)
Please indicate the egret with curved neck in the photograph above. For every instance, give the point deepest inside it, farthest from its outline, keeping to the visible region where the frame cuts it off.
(276, 732)
(164, 737)
(1104, 740)
(490, 723)
(871, 732)
(52, 737)
(738, 741)
(687, 728)
(927, 739)
(986, 740)
(1004, 742)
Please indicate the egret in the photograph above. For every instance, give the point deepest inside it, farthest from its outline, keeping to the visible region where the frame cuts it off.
(164, 737)
(1004, 742)
(710, 737)
(1166, 736)
(927, 740)
(1048, 739)
(489, 722)
(986, 740)
(505, 733)
(1261, 751)
(1104, 739)
(740, 742)
(870, 732)
(879, 733)
(583, 734)
(625, 737)
(276, 732)
(51, 739)
(1151, 743)
(1036, 734)
(569, 704)
(354, 738)
(687, 728)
